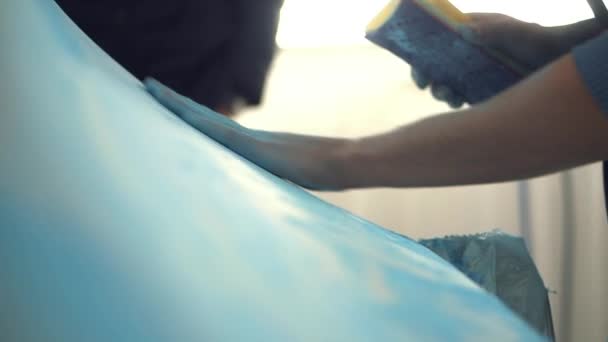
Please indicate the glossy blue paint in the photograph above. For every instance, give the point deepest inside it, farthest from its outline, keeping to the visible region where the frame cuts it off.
(119, 222)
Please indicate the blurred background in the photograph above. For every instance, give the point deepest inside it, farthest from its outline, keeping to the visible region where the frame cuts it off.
(327, 80)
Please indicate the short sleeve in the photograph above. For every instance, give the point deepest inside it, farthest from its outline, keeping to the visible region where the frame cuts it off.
(592, 63)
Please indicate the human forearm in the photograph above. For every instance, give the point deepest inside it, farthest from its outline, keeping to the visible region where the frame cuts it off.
(546, 124)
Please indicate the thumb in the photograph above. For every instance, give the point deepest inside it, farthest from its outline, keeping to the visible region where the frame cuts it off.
(493, 30)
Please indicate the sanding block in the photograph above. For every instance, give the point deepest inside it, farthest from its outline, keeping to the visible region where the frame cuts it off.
(428, 34)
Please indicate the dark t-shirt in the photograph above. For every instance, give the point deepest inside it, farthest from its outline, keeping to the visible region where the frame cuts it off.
(213, 51)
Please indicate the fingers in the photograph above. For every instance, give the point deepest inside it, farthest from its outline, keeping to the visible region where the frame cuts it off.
(439, 92)
(420, 80)
(176, 103)
(496, 30)
(456, 103)
(483, 30)
(482, 18)
(219, 128)
(445, 94)
(184, 107)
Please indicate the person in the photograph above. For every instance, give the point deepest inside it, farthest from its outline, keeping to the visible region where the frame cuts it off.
(552, 120)
(217, 52)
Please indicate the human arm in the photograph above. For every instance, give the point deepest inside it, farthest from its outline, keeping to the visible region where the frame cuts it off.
(310, 161)
(545, 124)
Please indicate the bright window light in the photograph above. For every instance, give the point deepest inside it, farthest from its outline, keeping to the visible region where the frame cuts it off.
(314, 23)
(322, 23)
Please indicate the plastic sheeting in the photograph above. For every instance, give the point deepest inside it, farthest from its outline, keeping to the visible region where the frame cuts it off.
(500, 264)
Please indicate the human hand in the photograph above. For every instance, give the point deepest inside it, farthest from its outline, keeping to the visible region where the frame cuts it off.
(309, 161)
(531, 46)
(527, 45)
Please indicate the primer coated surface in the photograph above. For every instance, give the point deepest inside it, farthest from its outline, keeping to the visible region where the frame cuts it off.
(118, 222)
